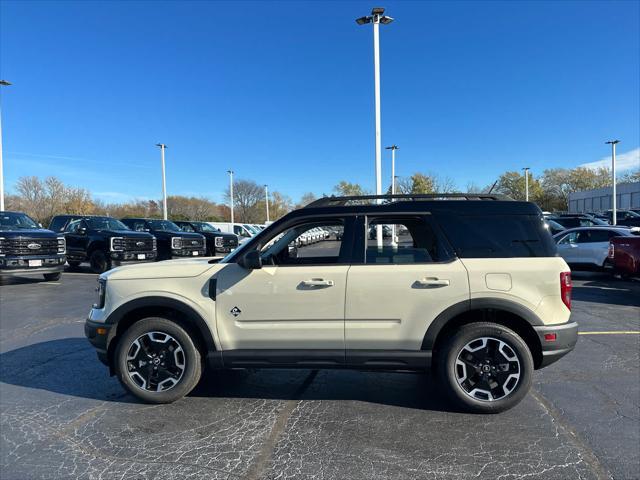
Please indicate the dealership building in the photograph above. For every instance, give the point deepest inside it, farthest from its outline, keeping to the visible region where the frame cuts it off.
(628, 196)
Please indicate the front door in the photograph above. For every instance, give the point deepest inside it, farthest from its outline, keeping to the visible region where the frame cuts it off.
(76, 238)
(398, 289)
(294, 302)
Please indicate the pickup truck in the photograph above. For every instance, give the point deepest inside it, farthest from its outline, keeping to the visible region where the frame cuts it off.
(624, 255)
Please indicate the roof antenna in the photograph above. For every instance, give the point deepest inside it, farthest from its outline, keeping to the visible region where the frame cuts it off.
(492, 187)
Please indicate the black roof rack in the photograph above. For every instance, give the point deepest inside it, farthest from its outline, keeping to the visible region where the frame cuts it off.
(333, 201)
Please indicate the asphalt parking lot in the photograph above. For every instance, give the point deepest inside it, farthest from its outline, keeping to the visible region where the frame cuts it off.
(62, 416)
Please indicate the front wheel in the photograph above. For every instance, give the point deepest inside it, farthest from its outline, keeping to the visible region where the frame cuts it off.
(157, 361)
(99, 262)
(485, 368)
(52, 277)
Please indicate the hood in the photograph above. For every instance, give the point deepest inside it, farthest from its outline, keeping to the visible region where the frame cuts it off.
(181, 268)
(164, 233)
(31, 233)
(126, 233)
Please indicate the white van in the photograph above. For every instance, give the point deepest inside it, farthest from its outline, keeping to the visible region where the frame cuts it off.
(243, 232)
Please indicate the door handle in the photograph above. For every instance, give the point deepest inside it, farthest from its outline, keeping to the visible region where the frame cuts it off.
(432, 282)
(318, 282)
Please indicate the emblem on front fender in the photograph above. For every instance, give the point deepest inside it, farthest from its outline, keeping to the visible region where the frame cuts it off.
(235, 311)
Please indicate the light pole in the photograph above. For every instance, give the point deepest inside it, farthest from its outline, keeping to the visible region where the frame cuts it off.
(393, 148)
(164, 181)
(377, 17)
(613, 143)
(3, 83)
(230, 172)
(266, 200)
(526, 183)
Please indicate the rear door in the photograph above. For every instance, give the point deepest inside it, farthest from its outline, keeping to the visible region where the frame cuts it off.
(396, 291)
(594, 246)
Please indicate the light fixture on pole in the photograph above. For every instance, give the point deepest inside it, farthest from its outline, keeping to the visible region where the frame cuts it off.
(230, 172)
(164, 180)
(266, 200)
(614, 216)
(376, 18)
(393, 148)
(526, 183)
(3, 83)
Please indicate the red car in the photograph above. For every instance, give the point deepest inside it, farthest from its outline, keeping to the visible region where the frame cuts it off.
(624, 253)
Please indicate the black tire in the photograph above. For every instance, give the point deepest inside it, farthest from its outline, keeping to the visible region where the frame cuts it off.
(52, 277)
(126, 370)
(506, 393)
(99, 262)
(73, 264)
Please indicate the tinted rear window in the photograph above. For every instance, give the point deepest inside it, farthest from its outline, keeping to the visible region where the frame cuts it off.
(498, 236)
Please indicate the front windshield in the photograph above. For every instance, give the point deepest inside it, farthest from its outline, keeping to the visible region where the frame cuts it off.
(205, 227)
(250, 228)
(14, 221)
(164, 226)
(105, 223)
(554, 224)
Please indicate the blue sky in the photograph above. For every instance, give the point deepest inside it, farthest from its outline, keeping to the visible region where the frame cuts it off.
(282, 92)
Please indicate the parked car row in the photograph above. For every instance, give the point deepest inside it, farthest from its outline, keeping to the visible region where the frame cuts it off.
(104, 242)
(629, 218)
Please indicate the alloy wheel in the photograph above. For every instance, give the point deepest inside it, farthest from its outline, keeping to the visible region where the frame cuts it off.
(155, 361)
(487, 369)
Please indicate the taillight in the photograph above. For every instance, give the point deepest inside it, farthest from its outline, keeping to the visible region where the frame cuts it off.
(565, 288)
(612, 250)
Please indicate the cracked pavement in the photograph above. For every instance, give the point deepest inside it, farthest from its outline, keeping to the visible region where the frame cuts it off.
(63, 417)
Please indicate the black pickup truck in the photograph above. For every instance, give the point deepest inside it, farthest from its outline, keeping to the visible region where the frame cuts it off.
(27, 248)
(217, 241)
(172, 242)
(103, 241)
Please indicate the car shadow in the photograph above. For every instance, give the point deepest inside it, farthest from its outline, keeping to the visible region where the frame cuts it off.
(607, 291)
(69, 367)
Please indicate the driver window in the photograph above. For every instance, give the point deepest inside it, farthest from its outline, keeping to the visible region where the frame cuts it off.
(73, 227)
(571, 238)
(306, 244)
(185, 227)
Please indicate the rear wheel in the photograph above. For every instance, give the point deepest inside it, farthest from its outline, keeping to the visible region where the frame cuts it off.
(99, 262)
(485, 368)
(157, 361)
(52, 277)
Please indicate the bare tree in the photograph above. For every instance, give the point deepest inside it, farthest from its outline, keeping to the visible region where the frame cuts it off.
(246, 196)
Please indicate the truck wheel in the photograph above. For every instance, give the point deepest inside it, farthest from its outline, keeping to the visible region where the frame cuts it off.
(157, 361)
(99, 262)
(52, 277)
(73, 264)
(485, 368)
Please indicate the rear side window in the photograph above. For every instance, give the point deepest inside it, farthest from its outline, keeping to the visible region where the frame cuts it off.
(498, 236)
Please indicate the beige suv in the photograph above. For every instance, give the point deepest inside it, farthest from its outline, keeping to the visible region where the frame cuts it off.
(469, 286)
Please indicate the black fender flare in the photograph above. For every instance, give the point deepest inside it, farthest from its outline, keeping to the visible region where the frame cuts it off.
(189, 314)
(476, 304)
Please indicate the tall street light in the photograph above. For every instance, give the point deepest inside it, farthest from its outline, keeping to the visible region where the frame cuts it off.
(3, 83)
(526, 183)
(266, 200)
(230, 172)
(393, 148)
(376, 18)
(613, 143)
(164, 180)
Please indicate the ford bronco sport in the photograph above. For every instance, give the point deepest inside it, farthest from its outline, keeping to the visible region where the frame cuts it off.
(471, 287)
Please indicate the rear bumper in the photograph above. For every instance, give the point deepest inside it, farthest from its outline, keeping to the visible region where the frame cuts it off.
(566, 336)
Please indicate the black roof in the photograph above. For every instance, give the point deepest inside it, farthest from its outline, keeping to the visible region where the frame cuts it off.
(458, 203)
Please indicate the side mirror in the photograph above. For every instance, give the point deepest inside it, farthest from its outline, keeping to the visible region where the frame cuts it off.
(252, 260)
(82, 231)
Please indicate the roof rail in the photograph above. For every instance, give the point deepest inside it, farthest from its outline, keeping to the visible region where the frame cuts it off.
(334, 201)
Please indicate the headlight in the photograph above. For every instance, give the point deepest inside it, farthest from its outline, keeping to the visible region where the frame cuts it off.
(3, 242)
(101, 289)
(62, 245)
(204, 243)
(218, 242)
(117, 244)
(176, 243)
(155, 243)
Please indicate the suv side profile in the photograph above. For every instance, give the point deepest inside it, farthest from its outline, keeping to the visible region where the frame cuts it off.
(473, 290)
(104, 242)
(172, 242)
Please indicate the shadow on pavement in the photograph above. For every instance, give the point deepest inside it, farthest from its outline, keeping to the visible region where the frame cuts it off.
(608, 291)
(69, 367)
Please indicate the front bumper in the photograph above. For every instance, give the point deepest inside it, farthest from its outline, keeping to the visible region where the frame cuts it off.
(32, 264)
(99, 336)
(201, 252)
(554, 348)
(122, 258)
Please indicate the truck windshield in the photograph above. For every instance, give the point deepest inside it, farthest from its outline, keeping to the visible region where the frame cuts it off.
(105, 223)
(164, 226)
(13, 221)
(205, 227)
